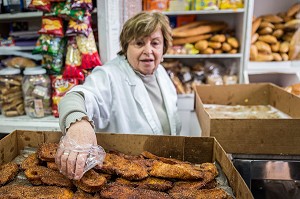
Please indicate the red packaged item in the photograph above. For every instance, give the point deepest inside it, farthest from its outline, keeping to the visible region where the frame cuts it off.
(52, 26)
(89, 53)
(60, 87)
(73, 61)
(42, 5)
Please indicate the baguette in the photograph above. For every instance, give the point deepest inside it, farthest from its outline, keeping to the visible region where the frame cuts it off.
(264, 24)
(263, 47)
(294, 49)
(284, 47)
(254, 38)
(270, 39)
(233, 42)
(201, 45)
(189, 26)
(272, 18)
(292, 24)
(255, 25)
(265, 31)
(253, 52)
(202, 29)
(226, 47)
(293, 10)
(277, 57)
(278, 33)
(214, 44)
(275, 47)
(218, 38)
(193, 39)
(284, 56)
(279, 26)
(264, 57)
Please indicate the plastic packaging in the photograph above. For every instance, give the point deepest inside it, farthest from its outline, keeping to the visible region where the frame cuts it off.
(96, 154)
(36, 87)
(11, 97)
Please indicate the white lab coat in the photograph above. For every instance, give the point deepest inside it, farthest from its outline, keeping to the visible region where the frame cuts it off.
(117, 100)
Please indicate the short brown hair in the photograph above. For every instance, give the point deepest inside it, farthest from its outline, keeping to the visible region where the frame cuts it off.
(144, 24)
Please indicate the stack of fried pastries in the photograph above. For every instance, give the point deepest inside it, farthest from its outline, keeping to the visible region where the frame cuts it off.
(122, 176)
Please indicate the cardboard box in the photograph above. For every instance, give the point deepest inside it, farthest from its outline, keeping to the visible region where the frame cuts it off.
(251, 136)
(193, 149)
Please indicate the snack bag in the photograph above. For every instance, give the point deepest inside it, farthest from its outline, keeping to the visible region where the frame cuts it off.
(77, 27)
(231, 4)
(88, 49)
(85, 4)
(60, 87)
(42, 44)
(73, 61)
(67, 13)
(52, 26)
(42, 5)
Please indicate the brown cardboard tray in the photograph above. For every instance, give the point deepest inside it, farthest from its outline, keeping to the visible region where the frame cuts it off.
(193, 149)
(251, 136)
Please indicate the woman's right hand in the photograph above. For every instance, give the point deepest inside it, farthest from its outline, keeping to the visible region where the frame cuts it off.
(71, 161)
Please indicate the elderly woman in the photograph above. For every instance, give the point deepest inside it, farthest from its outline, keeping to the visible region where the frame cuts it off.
(129, 94)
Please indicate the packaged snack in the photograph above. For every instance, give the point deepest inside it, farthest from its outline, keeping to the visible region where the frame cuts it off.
(42, 5)
(67, 13)
(78, 27)
(36, 87)
(73, 61)
(87, 47)
(206, 5)
(60, 87)
(83, 4)
(11, 97)
(52, 26)
(231, 4)
(42, 44)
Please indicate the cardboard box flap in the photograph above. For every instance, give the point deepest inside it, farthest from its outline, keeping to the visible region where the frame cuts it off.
(251, 136)
(236, 94)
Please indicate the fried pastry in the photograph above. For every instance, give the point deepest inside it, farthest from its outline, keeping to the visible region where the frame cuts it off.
(30, 161)
(91, 181)
(149, 155)
(118, 165)
(190, 185)
(47, 151)
(114, 190)
(8, 172)
(53, 166)
(215, 193)
(156, 184)
(176, 171)
(80, 194)
(39, 175)
(31, 192)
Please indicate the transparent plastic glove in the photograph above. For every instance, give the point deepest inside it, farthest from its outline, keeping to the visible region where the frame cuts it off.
(78, 151)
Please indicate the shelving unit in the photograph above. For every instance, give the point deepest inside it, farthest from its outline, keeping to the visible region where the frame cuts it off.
(282, 73)
(236, 19)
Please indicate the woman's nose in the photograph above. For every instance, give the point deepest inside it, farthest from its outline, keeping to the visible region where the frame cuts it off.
(148, 49)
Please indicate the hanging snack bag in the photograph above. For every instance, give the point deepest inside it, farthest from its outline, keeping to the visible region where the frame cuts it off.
(42, 5)
(42, 44)
(78, 27)
(73, 61)
(85, 4)
(67, 13)
(54, 64)
(52, 26)
(60, 87)
(87, 47)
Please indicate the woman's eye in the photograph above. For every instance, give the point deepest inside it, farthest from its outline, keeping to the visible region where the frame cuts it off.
(139, 43)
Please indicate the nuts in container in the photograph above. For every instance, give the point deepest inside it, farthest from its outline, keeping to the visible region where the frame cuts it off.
(11, 98)
(36, 88)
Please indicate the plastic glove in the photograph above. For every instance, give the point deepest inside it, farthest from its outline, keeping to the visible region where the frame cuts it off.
(78, 151)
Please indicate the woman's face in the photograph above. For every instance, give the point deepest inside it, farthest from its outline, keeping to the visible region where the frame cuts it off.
(144, 54)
